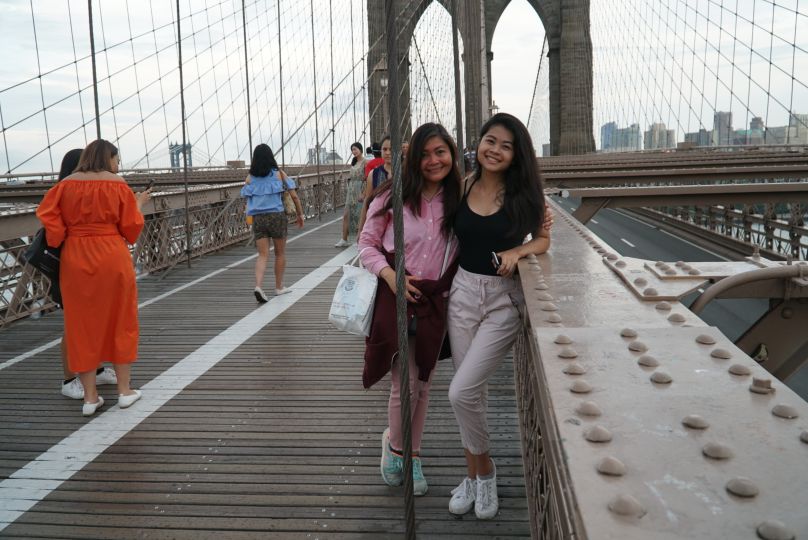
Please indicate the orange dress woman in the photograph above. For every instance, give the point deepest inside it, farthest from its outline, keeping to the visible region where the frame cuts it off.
(92, 214)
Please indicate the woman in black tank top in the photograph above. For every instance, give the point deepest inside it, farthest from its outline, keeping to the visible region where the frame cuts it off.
(502, 203)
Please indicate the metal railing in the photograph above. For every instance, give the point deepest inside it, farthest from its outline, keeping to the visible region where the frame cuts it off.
(215, 215)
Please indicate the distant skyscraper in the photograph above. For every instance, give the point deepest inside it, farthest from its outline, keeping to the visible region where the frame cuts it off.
(658, 136)
(798, 128)
(607, 135)
(701, 137)
(722, 128)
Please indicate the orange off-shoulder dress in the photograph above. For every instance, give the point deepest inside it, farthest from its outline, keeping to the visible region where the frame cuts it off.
(95, 219)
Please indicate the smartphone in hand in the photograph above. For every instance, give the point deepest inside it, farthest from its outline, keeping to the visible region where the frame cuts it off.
(495, 260)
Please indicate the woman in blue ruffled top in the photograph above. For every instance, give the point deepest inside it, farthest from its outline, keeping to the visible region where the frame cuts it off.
(263, 190)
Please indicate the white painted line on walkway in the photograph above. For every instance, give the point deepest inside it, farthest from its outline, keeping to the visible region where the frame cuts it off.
(593, 221)
(55, 342)
(714, 254)
(37, 479)
(627, 242)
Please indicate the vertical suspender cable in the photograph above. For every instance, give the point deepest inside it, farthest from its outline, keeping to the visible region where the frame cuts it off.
(353, 78)
(391, 30)
(95, 74)
(318, 192)
(364, 79)
(246, 76)
(280, 83)
(184, 140)
(334, 184)
(458, 103)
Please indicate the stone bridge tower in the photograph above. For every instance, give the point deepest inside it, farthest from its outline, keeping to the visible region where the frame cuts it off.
(566, 23)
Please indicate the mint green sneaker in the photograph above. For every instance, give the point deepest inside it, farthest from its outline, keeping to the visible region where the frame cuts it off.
(419, 485)
(392, 464)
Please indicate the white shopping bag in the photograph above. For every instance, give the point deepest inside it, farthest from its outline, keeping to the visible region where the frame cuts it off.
(352, 306)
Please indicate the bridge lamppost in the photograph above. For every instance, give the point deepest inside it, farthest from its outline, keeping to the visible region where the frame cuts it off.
(493, 109)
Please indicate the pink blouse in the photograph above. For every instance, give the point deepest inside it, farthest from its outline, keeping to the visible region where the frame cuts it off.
(424, 245)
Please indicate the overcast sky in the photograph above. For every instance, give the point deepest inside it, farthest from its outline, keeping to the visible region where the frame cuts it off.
(654, 60)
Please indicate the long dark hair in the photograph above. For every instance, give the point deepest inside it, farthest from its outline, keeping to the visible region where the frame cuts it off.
(524, 193)
(263, 161)
(69, 163)
(413, 181)
(355, 145)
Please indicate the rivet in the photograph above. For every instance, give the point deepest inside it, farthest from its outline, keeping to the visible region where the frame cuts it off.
(650, 291)
(640, 282)
(694, 421)
(773, 529)
(705, 339)
(721, 354)
(664, 267)
(742, 487)
(580, 387)
(611, 466)
(588, 408)
(600, 251)
(554, 318)
(784, 411)
(694, 272)
(661, 377)
(740, 370)
(804, 436)
(670, 272)
(611, 256)
(545, 297)
(761, 386)
(626, 505)
(680, 263)
(686, 268)
(637, 346)
(663, 306)
(620, 264)
(628, 332)
(542, 287)
(659, 263)
(676, 318)
(561, 339)
(647, 360)
(575, 369)
(597, 246)
(716, 450)
(567, 352)
(549, 306)
(598, 434)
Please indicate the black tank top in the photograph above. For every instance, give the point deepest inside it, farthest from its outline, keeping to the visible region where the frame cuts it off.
(479, 235)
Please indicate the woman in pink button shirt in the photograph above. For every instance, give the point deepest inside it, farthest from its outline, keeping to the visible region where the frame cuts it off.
(431, 190)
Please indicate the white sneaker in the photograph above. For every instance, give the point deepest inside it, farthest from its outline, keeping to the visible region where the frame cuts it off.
(342, 243)
(486, 503)
(463, 496)
(282, 290)
(73, 389)
(260, 296)
(106, 377)
(88, 409)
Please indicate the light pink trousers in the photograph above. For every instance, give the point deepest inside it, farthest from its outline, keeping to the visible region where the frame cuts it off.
(483, 324)
(419, 402)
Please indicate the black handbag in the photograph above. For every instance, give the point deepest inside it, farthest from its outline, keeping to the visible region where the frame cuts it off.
(45, 259)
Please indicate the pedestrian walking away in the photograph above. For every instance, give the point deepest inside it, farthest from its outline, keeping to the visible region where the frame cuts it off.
(264, 189)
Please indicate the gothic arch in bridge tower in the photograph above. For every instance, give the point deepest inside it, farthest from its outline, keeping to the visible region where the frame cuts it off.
(566, 23)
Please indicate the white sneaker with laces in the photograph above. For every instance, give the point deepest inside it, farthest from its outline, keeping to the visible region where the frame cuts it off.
(486, 503)
(260, 296)
(342, 243)
(106, 377)
(73, 389)
(463, 496)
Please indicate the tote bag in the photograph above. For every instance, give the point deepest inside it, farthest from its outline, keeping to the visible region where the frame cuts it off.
(352, 305)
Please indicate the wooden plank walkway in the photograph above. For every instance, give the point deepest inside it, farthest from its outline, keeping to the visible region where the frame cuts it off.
(278, 439)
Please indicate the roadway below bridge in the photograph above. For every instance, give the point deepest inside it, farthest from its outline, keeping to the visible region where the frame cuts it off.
(632, 236)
